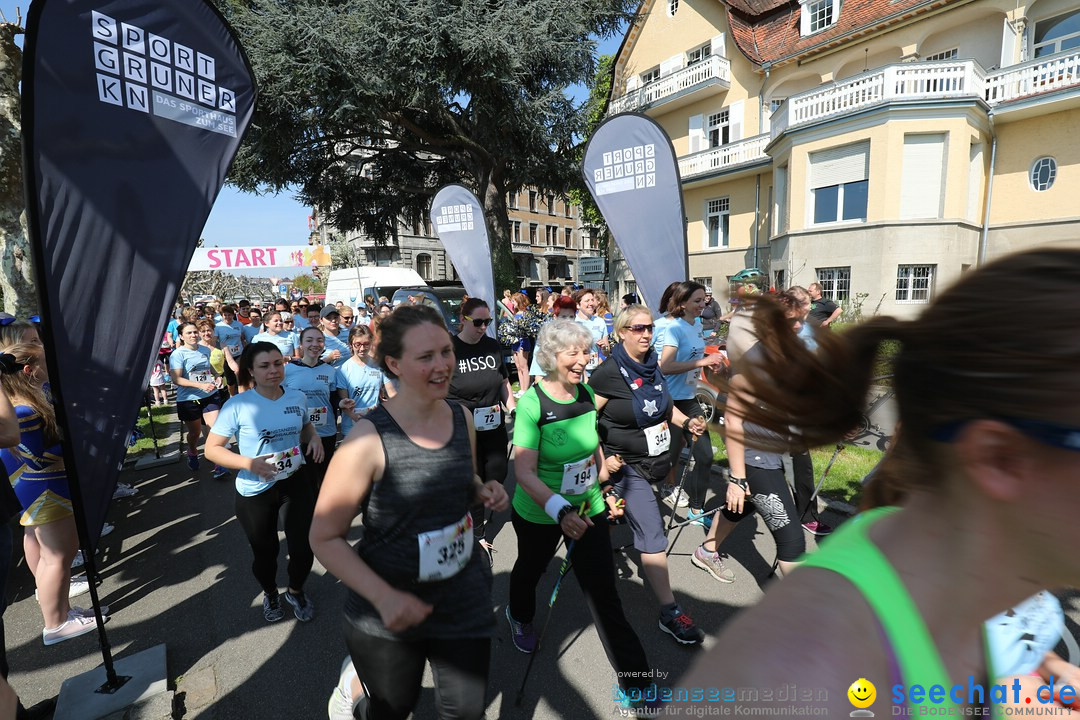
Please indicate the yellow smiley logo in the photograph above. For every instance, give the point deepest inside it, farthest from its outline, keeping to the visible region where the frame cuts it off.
(862, 693)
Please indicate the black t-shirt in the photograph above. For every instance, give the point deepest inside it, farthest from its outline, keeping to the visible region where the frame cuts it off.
(617, 424)
(478, 380)
(820, 310)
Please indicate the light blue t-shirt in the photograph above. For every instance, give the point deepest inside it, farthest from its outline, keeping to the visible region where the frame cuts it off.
(230, 336)
(690, 345)
(193, 365)
(806, 334)
(283, 340)
(660, 326)
(332, 343)
(299, 322)
(343, 334)
(362, 382)
(263, 427)
(250, 331)
(318, 385)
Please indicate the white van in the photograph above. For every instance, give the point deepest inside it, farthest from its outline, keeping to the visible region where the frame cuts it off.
(350, 285)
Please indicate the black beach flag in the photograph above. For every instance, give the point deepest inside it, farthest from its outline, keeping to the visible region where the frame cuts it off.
(132, 113)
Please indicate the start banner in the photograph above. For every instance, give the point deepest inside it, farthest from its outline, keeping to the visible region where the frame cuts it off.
(259, 256)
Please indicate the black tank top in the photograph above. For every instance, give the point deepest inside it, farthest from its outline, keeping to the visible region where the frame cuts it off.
(422, 490)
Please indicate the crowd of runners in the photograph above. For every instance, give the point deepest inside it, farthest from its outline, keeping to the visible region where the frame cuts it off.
(321, 414)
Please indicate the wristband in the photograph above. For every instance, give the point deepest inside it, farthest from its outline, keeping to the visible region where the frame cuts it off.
(563, 513)
(555, 505)
(741, 482)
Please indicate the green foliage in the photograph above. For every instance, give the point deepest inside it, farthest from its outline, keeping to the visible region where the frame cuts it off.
(309, 285)
(369, 107)
(594, 110)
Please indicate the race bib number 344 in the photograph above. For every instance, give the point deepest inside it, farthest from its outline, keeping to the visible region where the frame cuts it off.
(444, 553)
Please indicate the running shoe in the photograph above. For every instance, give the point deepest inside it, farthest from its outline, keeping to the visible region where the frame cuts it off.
(123, 490)
(683, 629)
(220, 472)
(489, 550)
(523, 634)
(73, 628)
(302, 607)
(272, 608)
(107, 528)
(79, 560)
(703, 519)
(79, 585)
(193, 462)
(674, 497)
(342, 701)
(711, 563)
(816, 527)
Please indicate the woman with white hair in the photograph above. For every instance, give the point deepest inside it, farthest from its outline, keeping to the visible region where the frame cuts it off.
(560, 469)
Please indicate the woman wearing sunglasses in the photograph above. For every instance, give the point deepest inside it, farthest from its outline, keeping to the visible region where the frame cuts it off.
(635, 419)
(481, 385)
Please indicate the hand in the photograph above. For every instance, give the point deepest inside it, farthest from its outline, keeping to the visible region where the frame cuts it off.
(616, 506)
(494, 496)
(315, 450)
(574, 525)
(347, 404)
(401, 610)
(333, 356)
(736, 496)
(354, 416)
(262, 467)
(697, 426)
(613, 463)
(714, 361)
(210, 387)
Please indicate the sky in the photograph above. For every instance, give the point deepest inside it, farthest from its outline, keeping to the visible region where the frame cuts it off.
(240, 219)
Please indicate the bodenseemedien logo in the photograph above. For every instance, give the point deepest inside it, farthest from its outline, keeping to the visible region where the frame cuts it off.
(862, 694)
(148, 73)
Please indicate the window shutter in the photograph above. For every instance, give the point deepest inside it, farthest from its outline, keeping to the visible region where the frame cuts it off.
(975, 181)
(697, 133)
(736, 120)
(672, 64)
(921, 184)
(633, 83)
(1008, 43)
(719, 46)
(839, 165)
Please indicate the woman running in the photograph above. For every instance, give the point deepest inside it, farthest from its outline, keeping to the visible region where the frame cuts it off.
(36, 469)
(559, 468)
(198, 391)
(482, 385)
(681, 360)
(636, 417)
(417, 592)
(989, 399)
(270, 424)
(360, 381)
(230, 336)
(318, 381)
(597, 326)
(274, 332)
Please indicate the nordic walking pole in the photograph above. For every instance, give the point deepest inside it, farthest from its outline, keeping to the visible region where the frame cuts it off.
(687, 469)
(563, 569)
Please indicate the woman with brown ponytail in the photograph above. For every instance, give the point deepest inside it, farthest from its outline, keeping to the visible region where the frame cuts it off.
(989, 397)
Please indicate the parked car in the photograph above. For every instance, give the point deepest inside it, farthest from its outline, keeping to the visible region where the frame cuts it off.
(446, 299)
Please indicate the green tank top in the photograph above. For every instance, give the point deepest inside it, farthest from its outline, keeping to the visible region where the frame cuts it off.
(851, 553)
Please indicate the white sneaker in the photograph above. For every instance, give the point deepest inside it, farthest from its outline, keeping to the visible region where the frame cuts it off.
(74, 627)
(79, 560)
(674, 497)
(341, 702)
(123, 490)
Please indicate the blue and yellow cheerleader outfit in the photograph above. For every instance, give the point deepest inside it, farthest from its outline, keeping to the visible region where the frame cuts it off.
(37, 473)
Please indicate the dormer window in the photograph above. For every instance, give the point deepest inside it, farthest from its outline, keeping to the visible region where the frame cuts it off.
(818, 15)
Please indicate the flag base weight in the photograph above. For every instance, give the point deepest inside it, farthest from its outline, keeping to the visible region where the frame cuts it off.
(82, 697)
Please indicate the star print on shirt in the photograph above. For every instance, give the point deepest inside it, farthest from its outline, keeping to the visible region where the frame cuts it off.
(649, 408)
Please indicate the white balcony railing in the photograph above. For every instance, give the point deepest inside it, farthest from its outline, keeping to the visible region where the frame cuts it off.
(712, 67)
(1033, 77)
(724, 157)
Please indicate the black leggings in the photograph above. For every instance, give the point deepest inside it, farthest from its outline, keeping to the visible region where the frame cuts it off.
(391, 672)
(770, 496)
(697, 482)
(802, 467)
(594, 567)
(491, 460)
(317, 471)
(258, 515)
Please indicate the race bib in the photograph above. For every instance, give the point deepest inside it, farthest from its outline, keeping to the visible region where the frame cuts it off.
(659, 439)
(202, 377)
(286, 462)
(317, 415)
(235, 350)
(594, 360)
(443, 553)
(577, 477)
(487, 418)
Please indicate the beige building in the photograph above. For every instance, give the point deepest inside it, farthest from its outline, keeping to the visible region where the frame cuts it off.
(879, 147)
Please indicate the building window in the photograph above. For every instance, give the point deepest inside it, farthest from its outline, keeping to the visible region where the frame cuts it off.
(1043, 173)
(534, 234)
(838, 183)
(817, 15)
(649, 75)
(423, 266)
(719, 129)
(532, 201)
(835, 283)
(706, 281)
(631, 288)
(698, 54)
(943, 55)
(551, 204)
(1057, 34)
(551, 235)
(672, 7)
(778, 279)
(716, 223)
(515, 231)
(569, 233)
(914, 283)
(566, 207)
(512, 200)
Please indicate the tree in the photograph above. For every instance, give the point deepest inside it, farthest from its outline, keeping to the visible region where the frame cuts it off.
(16, 271)
(309, 285)
(595, 110)
(368, 107)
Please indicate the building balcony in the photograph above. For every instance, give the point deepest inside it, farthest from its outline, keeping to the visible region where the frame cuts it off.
(690, 84)
(927, 82)
(554, 251)
(723, 158)
(520, 246)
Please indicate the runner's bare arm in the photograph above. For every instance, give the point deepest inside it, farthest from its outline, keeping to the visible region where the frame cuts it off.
(217, 452)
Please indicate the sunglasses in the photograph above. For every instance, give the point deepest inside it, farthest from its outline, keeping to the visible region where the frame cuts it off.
(478, 322)
(640, 328)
